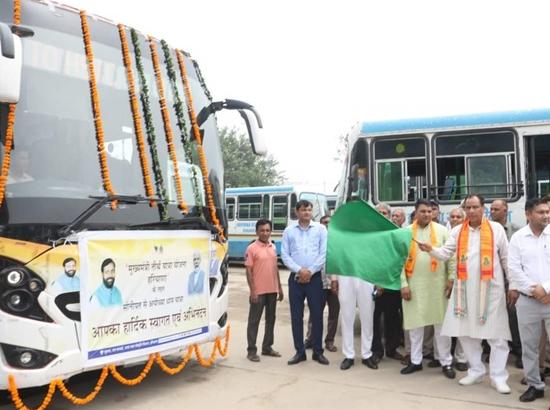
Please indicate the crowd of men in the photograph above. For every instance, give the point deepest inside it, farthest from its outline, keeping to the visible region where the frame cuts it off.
(472, 291)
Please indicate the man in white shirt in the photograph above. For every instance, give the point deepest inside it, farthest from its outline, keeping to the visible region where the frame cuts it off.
(529, 266)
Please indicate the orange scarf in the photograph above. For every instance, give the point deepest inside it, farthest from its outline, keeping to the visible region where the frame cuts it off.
(486, 251)
(413, 250)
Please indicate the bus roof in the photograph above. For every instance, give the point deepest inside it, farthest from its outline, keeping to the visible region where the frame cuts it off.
(525, 117)
(259, 189)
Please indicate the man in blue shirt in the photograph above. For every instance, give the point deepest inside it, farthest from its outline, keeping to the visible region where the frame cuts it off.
(67, 281)
(303, 251)
(107, 294)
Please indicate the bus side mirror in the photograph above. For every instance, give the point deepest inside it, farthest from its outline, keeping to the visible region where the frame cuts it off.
(248, 113)
(11, 64)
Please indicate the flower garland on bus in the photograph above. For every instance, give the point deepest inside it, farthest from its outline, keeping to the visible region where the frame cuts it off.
(201, 80)
(153, 358)
(167, 127)
(149, 127)
(178, 108)
(98, 122)
(8, 144)
(198, 138)
(136, 114)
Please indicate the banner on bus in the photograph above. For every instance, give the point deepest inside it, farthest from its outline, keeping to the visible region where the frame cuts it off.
(142, 292)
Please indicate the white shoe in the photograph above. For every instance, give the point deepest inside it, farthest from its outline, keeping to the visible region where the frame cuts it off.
(501, 387)
(469, 380)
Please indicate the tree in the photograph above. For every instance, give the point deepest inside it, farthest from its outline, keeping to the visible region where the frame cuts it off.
(242, 166)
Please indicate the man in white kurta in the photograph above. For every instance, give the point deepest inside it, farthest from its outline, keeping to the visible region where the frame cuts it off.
(469, 327)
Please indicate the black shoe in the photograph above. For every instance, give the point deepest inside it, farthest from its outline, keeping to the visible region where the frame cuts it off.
(346, 364)
(253, 357)
(394, 355)
(531, 394)
(411, 368)
(320, 358)
(307, 344)
(518, 362)
(448, 371)
(297, 358)
(371, 362)
(377, 357)
(271, 352)
(434, 363)
(461, 367)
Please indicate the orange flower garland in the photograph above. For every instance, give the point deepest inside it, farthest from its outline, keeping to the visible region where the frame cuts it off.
(136, 114)
(167, 127)
(11, 121)
(197, 134)
(98, 122)
(7, 153)
(84, 400)
(136, 380)
(18, 403)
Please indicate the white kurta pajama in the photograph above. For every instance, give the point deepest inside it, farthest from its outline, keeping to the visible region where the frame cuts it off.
(469, 328)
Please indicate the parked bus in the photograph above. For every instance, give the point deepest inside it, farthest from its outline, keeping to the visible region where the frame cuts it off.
(246, 205)
(503, 155)
(112, 227)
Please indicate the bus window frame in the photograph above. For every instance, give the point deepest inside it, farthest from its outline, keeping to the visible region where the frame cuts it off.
(373, 178)
(234, 199)
(237, 213)
(516, 185)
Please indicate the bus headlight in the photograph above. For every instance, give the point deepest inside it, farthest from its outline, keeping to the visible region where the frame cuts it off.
(14, 278)
(19, 300)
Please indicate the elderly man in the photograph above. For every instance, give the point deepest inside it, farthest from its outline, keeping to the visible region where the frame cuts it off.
(425, 287)
(387, 303)
(398, 217)
(529, 264)
(478, 303)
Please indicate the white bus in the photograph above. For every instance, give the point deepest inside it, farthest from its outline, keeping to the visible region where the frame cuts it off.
(246, 205)
(111, 165)
(502, 155)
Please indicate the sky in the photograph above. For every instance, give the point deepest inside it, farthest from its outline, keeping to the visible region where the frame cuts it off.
(313, 69)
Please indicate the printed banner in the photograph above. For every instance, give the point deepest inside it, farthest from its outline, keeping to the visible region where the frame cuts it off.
(142, 292)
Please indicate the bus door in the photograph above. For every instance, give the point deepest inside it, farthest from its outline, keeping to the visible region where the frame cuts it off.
(537, 149)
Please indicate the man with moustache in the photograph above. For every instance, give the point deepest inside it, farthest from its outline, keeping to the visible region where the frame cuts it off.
(67, 281)
(107, 294)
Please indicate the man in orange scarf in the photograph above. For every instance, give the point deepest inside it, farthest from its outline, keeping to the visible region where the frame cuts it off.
(478, 302)
(425, 289)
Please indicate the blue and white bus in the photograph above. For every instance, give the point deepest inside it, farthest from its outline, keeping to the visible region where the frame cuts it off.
(504, 155)
(244, 206)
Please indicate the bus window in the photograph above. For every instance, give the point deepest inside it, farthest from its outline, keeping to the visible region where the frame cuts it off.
(477, 163)
(249, 207)
(279, 210)
(538, 165)
(265, 206)
(358, 178)
(230, 208)
(293, 202)
(400, 169)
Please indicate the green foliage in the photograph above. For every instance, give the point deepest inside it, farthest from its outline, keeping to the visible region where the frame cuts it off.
(242, 166)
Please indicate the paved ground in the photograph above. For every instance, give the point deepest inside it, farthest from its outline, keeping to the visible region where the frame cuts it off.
(236, 383)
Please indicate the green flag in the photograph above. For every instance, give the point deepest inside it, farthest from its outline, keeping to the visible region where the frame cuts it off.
(364, 244)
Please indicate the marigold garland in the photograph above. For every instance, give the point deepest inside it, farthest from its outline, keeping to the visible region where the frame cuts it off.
(178, 108)
(200, 148)
(98, 122)
(59, 384)
(8, 144)
(136, 114)
(149, 127)
(167, 127)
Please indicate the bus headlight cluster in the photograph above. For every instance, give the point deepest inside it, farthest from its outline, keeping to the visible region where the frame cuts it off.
(19, 290)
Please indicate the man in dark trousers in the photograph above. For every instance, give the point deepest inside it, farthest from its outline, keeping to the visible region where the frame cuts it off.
(263, 279)
(303, 252)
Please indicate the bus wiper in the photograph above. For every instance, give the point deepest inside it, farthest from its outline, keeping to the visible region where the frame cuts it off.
(187, 222)
(100, 202)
